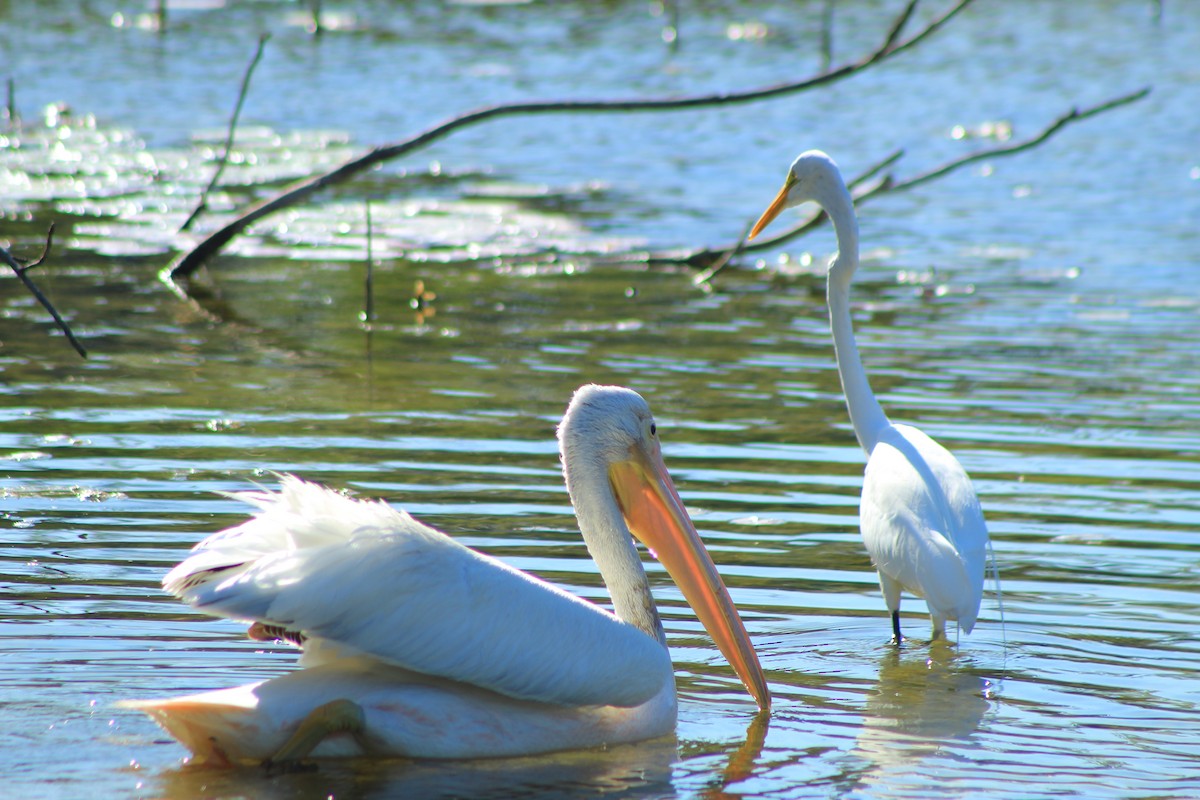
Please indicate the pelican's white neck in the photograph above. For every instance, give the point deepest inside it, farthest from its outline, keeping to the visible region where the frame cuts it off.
(587, 447)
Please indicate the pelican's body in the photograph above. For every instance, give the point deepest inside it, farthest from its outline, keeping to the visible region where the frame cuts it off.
(920, 517)
(415, 645)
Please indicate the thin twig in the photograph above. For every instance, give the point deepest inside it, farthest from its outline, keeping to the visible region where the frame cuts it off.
(670, 31)
(37, 262)
(887, 185)
(898, 25)
(22, 269)
(369, 308)
(202, 206)
(10, 106)
(191, 261)
(827, 34)
(315, 28)
(723, 261)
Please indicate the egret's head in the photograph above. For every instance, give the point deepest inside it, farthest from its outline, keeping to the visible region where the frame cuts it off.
(813, 176)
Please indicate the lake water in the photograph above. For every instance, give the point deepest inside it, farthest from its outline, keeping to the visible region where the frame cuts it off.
(1039, 315)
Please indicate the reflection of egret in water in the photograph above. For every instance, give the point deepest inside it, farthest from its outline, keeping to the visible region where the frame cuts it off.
(638, 770)
(918, 707)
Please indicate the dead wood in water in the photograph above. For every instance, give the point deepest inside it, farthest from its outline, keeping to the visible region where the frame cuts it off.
(22, 271)
(713, 261)
(202, 205)
(892, 45)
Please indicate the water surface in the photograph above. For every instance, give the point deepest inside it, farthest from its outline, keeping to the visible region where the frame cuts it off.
(1038, 315)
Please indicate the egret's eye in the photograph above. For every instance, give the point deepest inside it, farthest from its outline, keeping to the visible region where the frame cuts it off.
(653, 429)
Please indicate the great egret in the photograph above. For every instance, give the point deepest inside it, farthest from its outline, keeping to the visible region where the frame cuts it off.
(920, 518)
(415, 645)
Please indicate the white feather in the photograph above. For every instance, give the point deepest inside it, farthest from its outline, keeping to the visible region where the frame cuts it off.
(364, 576)
(920, 518)
(922, 525)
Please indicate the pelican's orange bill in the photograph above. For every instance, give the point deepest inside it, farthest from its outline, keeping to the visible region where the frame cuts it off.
(656, 515)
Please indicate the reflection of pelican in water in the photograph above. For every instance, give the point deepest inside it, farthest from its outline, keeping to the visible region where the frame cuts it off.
(643, 769)
(638, 770)
(742, 760)
(919, 705)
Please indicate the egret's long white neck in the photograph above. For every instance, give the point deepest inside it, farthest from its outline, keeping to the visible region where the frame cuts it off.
(607, 536)
(866, 415)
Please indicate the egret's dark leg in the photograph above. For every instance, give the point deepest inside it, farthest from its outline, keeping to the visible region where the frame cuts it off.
(896, 637)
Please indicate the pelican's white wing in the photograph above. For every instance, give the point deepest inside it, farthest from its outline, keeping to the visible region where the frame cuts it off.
(370, 578)
(922, 524)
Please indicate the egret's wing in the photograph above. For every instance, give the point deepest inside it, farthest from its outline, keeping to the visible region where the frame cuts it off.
(367, 577)
(922, 524)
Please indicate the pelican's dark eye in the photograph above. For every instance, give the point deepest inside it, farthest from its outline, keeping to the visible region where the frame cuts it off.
(653, 429)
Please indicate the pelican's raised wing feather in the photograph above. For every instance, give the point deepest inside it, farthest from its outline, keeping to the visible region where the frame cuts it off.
(365, 576)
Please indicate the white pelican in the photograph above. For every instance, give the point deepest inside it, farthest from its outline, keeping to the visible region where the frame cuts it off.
(415, 645)
(919, 515)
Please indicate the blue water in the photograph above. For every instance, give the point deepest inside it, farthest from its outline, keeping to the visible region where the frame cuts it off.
(1037, 314)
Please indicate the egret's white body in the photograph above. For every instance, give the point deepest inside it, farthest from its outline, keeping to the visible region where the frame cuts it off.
(920, 517)
(442, 651)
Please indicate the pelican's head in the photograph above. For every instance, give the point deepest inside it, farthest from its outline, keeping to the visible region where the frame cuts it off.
(813, 176)
(612, 421)
(619, 486)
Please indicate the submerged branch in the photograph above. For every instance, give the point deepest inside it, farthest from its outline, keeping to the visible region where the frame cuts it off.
(202, 205)
(891, 46)
(22, 271)
(713, 260)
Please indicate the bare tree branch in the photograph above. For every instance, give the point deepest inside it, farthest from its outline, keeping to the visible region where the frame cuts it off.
(898, 25)
(710, 258)
(202, 205)
(22, 269)
(191, 261)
